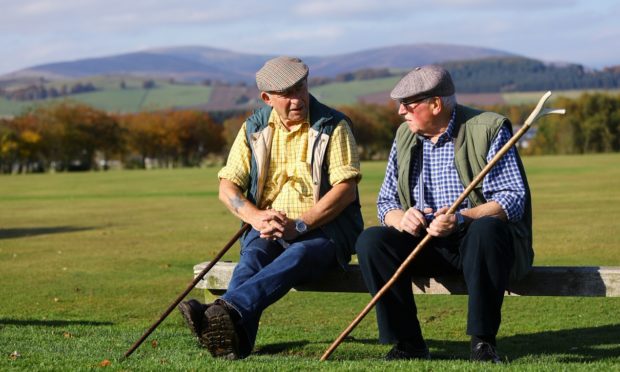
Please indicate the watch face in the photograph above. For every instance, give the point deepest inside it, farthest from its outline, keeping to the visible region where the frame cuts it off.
(300, 226)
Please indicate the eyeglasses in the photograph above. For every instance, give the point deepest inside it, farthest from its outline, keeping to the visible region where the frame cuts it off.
(417, 102)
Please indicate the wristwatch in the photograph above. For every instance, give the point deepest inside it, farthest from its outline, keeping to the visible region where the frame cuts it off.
(300, 226)
(460, 222)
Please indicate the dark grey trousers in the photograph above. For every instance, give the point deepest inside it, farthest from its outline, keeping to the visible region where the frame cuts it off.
(483, 254)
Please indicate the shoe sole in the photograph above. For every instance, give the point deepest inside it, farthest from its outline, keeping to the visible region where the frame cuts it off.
(220, 337)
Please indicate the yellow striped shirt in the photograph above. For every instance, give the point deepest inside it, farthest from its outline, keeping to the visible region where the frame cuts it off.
(289, 182)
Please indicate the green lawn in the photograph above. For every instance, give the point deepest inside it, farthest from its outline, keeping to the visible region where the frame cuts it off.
(89, 260)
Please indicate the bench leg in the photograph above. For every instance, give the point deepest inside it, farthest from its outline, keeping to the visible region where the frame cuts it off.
(212, 295)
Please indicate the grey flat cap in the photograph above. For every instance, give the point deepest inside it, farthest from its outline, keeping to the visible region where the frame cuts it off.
(281, 73)
(423, 82)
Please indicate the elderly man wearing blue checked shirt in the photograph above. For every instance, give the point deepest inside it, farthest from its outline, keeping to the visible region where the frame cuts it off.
(436, 153)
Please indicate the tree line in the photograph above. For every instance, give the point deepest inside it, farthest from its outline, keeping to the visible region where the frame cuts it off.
(40, 91)
(504, 74)
(73, 136)
(518, 74)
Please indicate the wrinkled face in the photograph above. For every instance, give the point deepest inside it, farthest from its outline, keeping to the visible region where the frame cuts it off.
(420, 116)
(292, 105)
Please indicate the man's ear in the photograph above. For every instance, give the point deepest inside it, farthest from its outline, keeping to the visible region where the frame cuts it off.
(437, 105)
(266, 98)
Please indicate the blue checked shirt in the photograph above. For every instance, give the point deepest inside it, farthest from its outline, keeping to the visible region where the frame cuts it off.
(440, 181)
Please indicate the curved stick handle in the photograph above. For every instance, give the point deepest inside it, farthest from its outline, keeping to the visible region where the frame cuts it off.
(539, 112)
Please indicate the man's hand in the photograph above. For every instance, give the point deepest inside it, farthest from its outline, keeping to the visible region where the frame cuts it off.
(413, 221)
(290, 232)
(270, 223)
(443, 224)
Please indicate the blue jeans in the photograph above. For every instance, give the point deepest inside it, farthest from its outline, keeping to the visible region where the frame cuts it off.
(266, 272)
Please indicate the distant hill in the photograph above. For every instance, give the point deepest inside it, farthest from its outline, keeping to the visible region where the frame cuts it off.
(196, 63)
(517, 74)
(218, 80)
(398, 57)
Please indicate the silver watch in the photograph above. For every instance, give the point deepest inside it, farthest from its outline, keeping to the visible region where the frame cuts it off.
(300, 226)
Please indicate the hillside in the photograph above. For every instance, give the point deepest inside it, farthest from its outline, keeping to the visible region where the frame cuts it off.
(218, 80)
(195, 63)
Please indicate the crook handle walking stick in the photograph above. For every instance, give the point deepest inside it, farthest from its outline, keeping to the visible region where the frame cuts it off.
(191, 286)
(537, 113)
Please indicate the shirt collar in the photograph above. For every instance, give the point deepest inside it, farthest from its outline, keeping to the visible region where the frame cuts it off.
(447, 135)
(276, 122)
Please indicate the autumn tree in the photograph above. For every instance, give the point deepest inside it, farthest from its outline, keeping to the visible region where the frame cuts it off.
(231, 127)
(591, 124)
(374, 127)
(142, 134)
(172, 137)
(9, 146)
(197, 136)
(62, 136)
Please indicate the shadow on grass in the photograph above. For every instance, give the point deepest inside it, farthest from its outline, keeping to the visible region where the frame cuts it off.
(578, 345)
(568, 345)
(51, 323)
(33, 231)
(279, 348)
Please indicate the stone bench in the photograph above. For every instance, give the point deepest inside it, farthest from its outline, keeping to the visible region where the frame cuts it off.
(595, 281)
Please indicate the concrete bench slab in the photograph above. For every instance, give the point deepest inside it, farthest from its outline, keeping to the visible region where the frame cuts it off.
(594, 281)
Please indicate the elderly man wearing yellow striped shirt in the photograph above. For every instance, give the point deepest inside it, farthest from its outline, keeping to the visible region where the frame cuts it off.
(291, 174)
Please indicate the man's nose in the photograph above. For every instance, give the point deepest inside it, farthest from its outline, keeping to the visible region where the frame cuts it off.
(401, 109)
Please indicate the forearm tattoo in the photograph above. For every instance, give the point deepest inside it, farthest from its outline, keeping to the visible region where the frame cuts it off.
(236, 202)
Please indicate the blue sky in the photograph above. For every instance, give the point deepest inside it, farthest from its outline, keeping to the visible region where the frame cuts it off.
(41, 31)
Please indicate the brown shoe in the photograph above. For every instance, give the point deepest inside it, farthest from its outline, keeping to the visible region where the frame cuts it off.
(194, 314)
(220, 336)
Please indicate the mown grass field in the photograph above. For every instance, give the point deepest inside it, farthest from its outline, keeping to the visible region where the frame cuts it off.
(89, 260)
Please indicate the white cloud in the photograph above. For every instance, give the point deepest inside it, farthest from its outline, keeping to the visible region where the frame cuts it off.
(36, 8)
(309, 34)
(39, 31)
(331, 8)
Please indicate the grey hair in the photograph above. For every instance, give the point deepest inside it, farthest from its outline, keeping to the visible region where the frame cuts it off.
(449, 102)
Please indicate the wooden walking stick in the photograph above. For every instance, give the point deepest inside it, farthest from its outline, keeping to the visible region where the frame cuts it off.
(537, 113)
(191, 286)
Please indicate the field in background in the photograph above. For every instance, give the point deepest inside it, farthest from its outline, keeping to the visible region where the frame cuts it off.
(111, 98)
(89, 260)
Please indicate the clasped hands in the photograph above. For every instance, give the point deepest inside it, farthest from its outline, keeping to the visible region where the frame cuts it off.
(414, 222)
(273, 225)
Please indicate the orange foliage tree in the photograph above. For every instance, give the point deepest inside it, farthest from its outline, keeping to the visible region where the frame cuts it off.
(374, 127)
(62, 136)
(171, 138)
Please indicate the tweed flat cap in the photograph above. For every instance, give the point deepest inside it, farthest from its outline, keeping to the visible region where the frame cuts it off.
(280, 73)
(423, 82)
